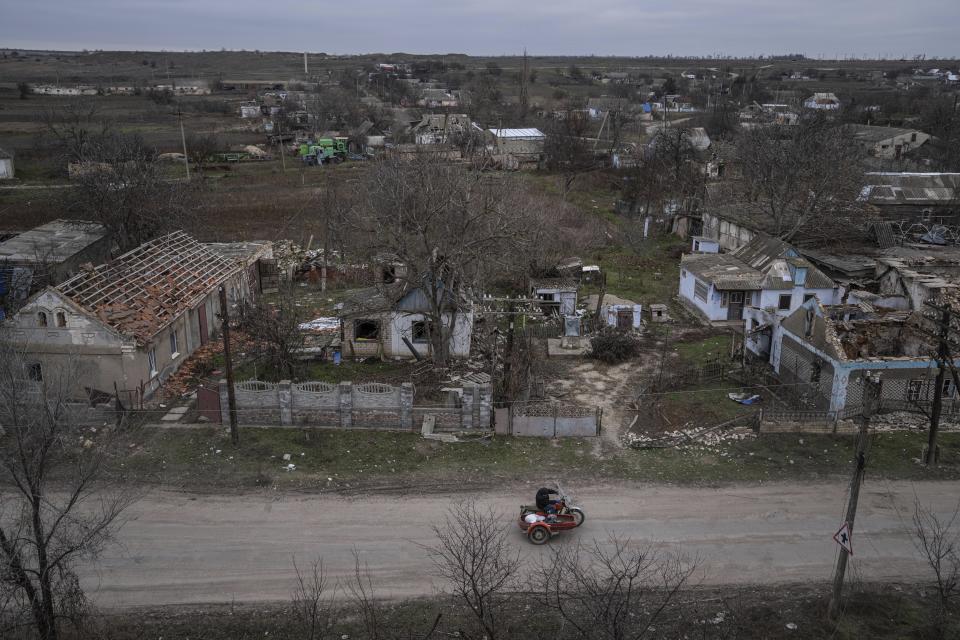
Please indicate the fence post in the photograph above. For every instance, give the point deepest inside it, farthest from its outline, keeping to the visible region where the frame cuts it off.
(406, 405)
(485, 397)
(466, 405)
(346, 405)
(285, 398)
(224, 402)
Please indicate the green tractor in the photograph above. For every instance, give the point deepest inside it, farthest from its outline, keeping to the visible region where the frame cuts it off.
(324, 150)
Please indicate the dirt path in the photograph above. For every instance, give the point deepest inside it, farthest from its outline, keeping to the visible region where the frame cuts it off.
(178, 548)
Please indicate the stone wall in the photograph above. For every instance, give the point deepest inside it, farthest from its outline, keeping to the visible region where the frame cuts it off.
(346, 405)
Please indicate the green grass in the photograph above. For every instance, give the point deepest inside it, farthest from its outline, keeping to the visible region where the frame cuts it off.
(709, 349)
(354, 460)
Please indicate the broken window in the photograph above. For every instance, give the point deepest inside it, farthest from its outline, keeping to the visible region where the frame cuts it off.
(807, 296)
(389, 275)
(35, 372)
(914, 390)
(152, 361)
(816, 368)
(61, 319)
(724, 299)
(174, 344)
(785, 301)
(948, 389)
(700, 291)
(421, 332)
(366, 329)
(42, 319)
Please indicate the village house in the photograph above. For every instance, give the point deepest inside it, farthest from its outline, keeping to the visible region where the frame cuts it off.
(438, 99)
(764, 279)
(887, 143)
(526, 145)
(440, 128)
(617, 312)
(394, 321)
(132, 322)
(822, 102)
(598, 108)
(917, 197)
(558, 294)
(829, 349)
(46, 255)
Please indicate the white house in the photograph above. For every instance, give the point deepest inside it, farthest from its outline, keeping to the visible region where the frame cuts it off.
(888, 143)
(380, 321)
(618, 312)
(560, 294)
(822, 102)
(759, 282)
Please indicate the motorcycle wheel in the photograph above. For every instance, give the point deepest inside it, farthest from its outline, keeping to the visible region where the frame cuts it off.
(539, 535)
(578, 516)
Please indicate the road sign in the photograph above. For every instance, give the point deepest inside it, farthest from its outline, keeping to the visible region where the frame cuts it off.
(842, 538)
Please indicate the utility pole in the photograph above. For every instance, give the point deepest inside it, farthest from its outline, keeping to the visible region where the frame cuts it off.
(508, 352)
(231, 395)
(183, 139)
(871, 394)
(943, 352)
(305, 72)
(283, 160)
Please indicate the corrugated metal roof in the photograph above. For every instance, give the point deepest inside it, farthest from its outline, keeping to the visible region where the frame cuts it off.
(532, 134)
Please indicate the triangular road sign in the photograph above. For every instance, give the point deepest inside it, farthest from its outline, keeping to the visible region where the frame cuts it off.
(843, 538)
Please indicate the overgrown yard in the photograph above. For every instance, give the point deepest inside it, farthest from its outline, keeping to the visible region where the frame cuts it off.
(204, 459)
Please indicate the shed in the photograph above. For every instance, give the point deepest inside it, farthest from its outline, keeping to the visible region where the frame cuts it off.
(6, 164)
(618, 312)
(558, 294)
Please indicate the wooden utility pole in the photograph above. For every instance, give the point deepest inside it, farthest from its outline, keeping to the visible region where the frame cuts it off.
(183, 139)
(871, 394)
(228, 363)
(508, 352)
(943, 351)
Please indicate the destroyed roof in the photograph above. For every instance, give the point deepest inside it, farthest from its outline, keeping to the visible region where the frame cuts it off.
(368, 300)
(143, 290)
(723, 270)
(771, 256)
(609, 300)
(243, 252)
(53, 242)
(439, 121)
(911, 188)
(563, 284)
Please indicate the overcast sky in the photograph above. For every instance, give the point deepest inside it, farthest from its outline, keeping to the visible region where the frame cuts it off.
(818, 28)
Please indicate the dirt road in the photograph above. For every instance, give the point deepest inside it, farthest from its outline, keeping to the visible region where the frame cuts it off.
(178, 548)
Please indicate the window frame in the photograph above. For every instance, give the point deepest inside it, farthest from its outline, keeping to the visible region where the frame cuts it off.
(174, 344)
(60, 318)
(780, 299)
(152, 361)
(35, 372)
(422, 327)
(374, 321)
(697, 285)
(915, 389)
(42, 320)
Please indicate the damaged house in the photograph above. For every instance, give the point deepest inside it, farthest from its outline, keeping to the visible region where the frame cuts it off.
(394, 322)
(441, 128)
(132, 322)
(45, 255)
(831, 347)
(762, 280)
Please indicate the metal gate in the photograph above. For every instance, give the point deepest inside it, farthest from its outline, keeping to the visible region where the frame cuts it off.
(208, 403)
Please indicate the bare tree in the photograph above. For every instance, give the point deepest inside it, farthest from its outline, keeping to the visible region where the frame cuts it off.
(938, 541)
(313, 601)
(201, 149)
(124, 189)
(668, 175)
(565, 149)
(611, 589)
(450, 229)
(57, 511)
(802, 179)
(472, 554)
(76, 126)
(274, 328)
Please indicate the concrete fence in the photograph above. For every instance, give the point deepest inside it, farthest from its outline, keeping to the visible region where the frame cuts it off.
(371, 405)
